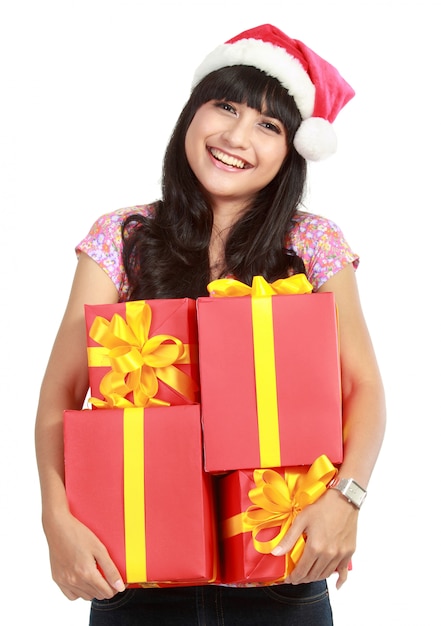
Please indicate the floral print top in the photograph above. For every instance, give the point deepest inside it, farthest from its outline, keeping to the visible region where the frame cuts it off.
(317, 240)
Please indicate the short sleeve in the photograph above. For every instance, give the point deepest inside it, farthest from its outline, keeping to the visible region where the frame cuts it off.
(103, 244)
(322, 246)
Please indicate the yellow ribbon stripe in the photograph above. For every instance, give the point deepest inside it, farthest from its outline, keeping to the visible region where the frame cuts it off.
(266, 385)
(261, 293)
(134, 495)
(277, 501)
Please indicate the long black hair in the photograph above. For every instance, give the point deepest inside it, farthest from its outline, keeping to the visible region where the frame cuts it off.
(167, 255)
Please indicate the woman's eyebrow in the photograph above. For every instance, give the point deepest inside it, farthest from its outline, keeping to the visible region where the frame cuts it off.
(269, 113)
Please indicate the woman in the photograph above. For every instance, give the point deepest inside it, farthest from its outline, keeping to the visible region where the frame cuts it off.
(233, 180)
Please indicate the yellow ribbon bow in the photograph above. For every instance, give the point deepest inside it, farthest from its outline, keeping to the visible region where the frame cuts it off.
(230, 287)
(137, 361)
(277, 501)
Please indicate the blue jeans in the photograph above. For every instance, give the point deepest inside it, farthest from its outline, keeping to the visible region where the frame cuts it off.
(279, 605)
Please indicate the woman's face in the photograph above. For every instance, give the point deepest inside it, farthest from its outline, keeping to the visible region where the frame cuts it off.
(234, 151)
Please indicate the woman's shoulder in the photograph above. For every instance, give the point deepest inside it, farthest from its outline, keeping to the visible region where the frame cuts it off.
(320, 242)
(103, 242)
(114, 219)
(310, 229)
(107, 228)
(304, 222)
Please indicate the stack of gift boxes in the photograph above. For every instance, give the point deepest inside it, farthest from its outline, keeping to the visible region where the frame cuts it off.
(213, 422)
(134, 463)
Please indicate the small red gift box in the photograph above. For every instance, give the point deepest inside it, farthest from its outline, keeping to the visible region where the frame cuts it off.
(135, 478)
(142, 353)
(270, 380)
(256, 510)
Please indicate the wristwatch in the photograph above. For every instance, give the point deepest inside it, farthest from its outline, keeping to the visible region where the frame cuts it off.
(350, 489)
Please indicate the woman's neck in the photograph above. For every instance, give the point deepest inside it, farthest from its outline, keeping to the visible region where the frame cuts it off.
(217, 250)
(225, 215)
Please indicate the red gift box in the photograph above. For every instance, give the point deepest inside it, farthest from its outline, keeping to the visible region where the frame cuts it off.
(142, 353)
(256, 510)
(135, 478)
(270, 380)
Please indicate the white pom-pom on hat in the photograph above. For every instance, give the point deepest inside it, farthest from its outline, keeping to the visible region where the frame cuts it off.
(318, 89)
(315, 139)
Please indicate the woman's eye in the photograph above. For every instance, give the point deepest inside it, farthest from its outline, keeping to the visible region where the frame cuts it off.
(225, 106)
(272, 127)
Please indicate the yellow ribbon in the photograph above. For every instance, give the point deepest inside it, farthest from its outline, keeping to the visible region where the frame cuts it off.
(135, 525)
(137, 361)
(261, 293)
(277, 501)
(230, 287)
(134, 495)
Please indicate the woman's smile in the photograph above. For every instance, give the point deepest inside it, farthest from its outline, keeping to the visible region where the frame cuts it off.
(228, 159)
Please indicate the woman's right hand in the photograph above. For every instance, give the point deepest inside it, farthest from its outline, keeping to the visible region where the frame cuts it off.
(81, 565)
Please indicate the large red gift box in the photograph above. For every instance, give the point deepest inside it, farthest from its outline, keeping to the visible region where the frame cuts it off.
(256, 510)
(135, 478)
(142, 353)
(270, 380)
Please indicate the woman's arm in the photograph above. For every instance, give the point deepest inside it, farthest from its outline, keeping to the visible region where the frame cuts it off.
(75, 552)
(330, 524)
(364, 409)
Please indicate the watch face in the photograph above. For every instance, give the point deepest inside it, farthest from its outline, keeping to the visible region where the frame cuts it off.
(355, 493)
(351, 490)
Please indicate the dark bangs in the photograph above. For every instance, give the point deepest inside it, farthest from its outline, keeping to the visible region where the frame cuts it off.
(248, 85)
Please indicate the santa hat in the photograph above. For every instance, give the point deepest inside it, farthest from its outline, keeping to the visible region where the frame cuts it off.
(316, 86)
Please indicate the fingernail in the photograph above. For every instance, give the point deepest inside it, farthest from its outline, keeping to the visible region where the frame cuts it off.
(119, 585)
(277, 551)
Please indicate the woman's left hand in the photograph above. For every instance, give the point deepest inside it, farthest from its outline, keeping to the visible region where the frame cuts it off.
(330, 528)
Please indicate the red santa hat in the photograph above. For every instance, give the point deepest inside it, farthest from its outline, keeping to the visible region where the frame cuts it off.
(316, 86)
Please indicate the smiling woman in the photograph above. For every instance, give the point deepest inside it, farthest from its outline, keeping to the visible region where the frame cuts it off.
(265, 195)
(234, 176)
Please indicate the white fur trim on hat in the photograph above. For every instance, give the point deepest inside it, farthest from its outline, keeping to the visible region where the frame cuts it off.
(273, 60)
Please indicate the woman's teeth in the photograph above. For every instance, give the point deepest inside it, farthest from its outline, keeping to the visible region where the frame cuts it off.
(228, 160)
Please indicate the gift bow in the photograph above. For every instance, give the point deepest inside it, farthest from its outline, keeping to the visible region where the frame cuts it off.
(230, 287)
(137, 361)
(277, 501)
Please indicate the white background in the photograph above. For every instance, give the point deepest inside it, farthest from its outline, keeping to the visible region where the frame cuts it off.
(89, 93)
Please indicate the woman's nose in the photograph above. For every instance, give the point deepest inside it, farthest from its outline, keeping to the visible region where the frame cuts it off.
(238, 134)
